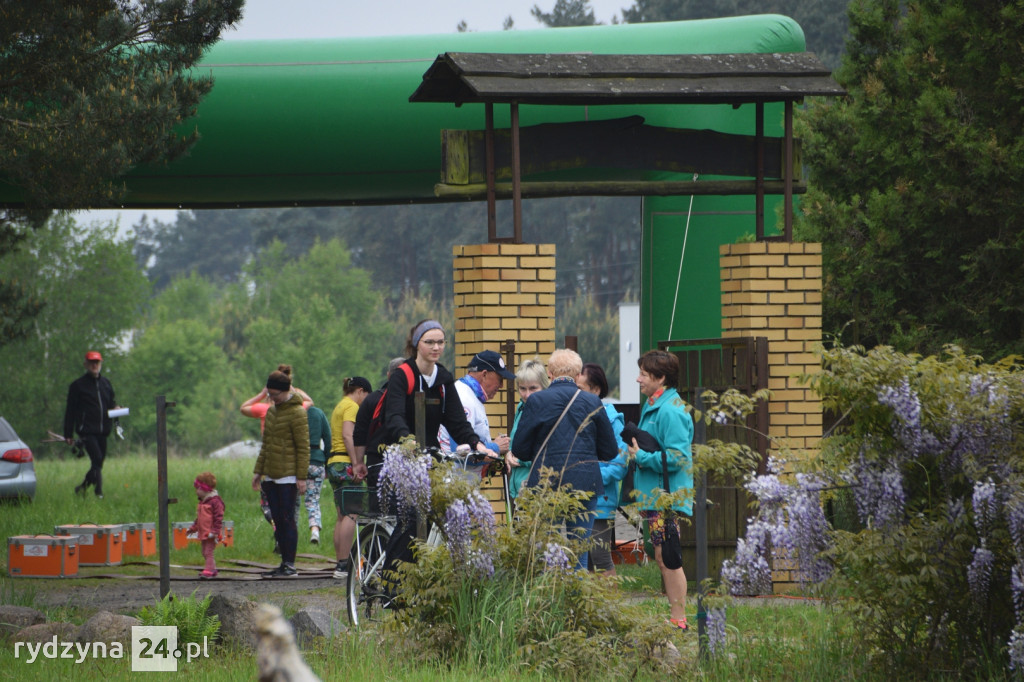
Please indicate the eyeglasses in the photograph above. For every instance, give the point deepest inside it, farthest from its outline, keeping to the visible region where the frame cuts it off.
(434, 344)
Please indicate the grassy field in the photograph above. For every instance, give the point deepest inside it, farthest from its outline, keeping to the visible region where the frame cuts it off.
(767, 639)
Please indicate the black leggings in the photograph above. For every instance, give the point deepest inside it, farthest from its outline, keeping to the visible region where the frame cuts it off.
(281, 498)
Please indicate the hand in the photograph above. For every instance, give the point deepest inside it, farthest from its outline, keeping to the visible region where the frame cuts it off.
(487, 453)
(256, 481)
(633, 448)
(511, 461)
(502, 442)
(301, 485)
(359, 471)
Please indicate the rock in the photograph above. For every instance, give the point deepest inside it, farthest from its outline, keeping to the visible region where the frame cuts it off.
(312, 622)
(278, 658)
(237, 620)
(45, 632)
(667, 654)
(13, 619)
(240, 449)
(109, 628)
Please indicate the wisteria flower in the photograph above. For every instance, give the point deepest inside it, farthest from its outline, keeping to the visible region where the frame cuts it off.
(406, 479)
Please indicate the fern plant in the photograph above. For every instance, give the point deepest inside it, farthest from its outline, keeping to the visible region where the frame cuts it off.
(187, 613)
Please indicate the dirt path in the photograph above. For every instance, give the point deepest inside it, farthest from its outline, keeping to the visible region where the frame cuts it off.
(128, 594)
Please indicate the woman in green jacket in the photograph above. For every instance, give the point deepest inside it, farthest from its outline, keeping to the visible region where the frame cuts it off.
(282, 466)
(664, 416)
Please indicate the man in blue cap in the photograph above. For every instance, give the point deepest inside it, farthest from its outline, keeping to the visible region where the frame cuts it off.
(485, 375)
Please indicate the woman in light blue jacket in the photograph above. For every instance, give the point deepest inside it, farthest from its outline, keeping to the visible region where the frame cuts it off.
(665, 417)
(593, 380)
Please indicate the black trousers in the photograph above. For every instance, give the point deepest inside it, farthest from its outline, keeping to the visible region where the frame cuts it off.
(96, 448)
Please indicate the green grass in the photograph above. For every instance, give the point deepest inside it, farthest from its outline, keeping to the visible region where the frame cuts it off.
(773, 640)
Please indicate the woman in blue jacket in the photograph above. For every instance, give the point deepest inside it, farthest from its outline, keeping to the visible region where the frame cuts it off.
(664, 416)
(577, 442)
(593, 380)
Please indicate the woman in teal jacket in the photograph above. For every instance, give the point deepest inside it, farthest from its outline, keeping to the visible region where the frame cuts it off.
(530, 378)
(664, 416)
(593, 380)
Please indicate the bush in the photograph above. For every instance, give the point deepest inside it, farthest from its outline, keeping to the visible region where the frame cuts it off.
(507, 598)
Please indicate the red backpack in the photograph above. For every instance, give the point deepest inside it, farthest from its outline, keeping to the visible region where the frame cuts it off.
(377, 420)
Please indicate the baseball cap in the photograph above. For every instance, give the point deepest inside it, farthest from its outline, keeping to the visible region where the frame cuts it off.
(93, 355)
(490, 360)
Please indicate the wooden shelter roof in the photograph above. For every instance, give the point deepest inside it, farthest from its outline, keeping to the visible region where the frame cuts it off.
(584, 78)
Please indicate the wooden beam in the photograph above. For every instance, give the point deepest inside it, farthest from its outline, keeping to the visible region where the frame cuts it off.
(613, 188)
(596, 147)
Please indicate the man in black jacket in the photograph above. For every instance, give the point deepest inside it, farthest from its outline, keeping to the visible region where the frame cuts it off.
(90, 398)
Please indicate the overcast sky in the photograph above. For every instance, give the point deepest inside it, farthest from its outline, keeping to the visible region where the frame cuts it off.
(267, 19)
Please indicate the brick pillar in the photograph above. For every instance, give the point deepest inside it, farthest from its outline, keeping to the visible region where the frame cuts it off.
(773, 289)
(503, 291)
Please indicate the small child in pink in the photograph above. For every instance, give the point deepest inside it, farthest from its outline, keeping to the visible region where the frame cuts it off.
(209, 519)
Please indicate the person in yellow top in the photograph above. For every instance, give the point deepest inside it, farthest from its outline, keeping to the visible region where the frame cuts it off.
(346, 470)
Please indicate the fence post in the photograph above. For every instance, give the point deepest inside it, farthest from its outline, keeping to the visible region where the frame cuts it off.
(700, 522)
(162, 499)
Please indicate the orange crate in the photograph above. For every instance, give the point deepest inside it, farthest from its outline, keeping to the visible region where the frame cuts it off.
(628, 552)
(42, 556)
(98, 545)
(179, 534)
(139, 539)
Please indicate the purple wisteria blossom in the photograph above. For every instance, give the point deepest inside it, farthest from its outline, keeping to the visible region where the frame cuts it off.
(791, 522)
(985, 509)
(879, 496)
(1016, 647)
(906, 407)
(1015, 521)
(555, 557)
(464, 520)
(1017, 587)
(716, 631)
(406, 479)
(979, 574)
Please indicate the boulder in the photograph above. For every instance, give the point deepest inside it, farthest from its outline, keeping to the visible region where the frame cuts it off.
(312, 622)
(45, 632)
(13, 619)
(237, 620)
(109, 628)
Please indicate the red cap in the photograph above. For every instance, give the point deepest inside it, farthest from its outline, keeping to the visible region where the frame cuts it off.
(93, 355)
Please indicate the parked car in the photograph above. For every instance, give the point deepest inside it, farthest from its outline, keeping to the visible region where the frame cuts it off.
(17, 467)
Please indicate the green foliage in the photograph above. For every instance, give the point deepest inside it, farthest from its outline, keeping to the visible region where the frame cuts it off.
(93, 296)
(188, 614)
(566, 13)
(914, 187)
(91, 90)
(824, 23)
(907, 582)
(597, 332)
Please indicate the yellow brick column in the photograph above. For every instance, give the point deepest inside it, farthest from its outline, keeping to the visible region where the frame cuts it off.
(503, 291)
(773, 289)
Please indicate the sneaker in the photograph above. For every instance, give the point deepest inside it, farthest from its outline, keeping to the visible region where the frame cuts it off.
(206, 575)
(341, 570)
(314, 536)
(282, 571)
(80, 488)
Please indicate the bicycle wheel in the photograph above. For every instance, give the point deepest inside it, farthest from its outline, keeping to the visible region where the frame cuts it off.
(365, 593)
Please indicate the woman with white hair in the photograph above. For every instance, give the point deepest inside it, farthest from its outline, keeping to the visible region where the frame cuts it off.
(567, 430)
(531, 377)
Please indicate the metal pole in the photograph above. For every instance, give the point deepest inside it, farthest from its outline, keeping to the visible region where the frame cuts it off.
(700, 522)
(163, 525)
(509, 348)
(419, 401)
(492, 216)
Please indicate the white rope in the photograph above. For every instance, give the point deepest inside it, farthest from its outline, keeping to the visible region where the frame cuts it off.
(679, 277)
